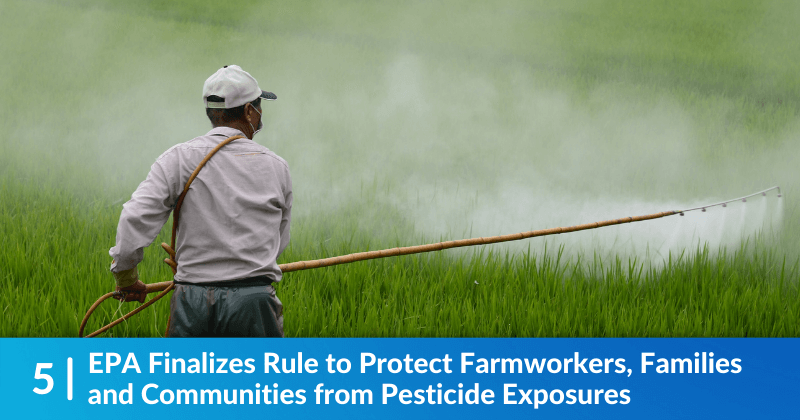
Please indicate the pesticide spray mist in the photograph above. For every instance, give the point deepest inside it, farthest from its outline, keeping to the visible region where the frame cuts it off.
(412, 123)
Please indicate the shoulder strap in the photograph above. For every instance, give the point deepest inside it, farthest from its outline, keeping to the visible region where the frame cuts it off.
(172, 261)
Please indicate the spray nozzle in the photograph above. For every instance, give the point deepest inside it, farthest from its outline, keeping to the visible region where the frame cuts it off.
(724, 204)
(744, 200)
(704, 209)
(764, 194)
(681, 213)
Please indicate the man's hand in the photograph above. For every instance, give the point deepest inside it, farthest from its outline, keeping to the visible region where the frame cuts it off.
(129, 287)
(134, 292)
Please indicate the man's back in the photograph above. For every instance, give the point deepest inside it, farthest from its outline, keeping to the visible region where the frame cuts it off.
(234, 221)
(239, 200)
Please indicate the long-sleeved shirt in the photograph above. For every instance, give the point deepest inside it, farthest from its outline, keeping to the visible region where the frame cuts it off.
(234, 221)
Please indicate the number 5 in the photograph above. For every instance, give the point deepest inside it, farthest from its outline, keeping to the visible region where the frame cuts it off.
(46, 377)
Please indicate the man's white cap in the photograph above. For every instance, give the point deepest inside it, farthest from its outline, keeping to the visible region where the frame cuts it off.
(234, 86)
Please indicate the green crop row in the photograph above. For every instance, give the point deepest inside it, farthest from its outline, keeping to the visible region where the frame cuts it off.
(55, 265)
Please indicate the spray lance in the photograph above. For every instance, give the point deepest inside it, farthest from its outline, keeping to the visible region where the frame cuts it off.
(165, 287)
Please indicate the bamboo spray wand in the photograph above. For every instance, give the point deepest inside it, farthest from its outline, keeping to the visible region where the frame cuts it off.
(167, 286)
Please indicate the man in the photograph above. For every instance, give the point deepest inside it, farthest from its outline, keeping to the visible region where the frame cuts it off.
(233, 224)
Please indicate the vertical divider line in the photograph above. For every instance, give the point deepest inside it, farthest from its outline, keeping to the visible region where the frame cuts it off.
(69, 378)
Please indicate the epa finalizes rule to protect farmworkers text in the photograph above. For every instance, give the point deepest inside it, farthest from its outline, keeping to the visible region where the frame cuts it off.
(387, 393)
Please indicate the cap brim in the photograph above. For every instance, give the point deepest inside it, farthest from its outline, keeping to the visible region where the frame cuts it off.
(269, 96)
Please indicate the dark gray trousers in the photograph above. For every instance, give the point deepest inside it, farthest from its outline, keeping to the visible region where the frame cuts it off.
(243, 309)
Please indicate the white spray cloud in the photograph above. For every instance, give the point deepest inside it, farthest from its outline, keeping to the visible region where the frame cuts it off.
(457, 142)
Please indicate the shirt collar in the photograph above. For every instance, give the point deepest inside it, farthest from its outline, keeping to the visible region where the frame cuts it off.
(226, 131)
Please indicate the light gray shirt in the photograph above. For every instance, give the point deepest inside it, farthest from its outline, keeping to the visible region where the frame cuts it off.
(234, 221)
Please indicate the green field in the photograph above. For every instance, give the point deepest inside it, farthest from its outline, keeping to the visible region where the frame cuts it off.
(417, 122)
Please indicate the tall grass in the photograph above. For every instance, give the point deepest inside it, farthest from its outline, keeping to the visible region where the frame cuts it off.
(54, 266)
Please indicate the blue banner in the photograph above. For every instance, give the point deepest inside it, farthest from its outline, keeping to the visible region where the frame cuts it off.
(400, 378)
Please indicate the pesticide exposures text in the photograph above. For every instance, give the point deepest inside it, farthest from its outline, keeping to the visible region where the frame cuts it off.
(465, 378)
